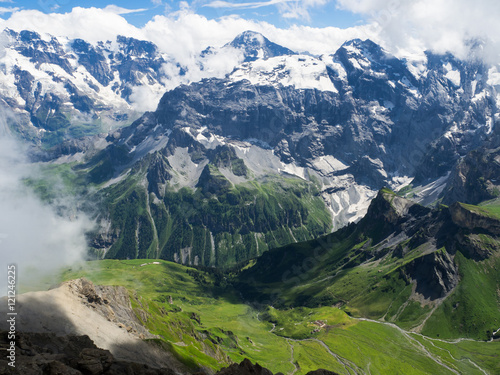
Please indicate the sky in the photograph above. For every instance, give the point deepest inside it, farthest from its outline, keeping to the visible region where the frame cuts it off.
(183, 28)
(281, 13)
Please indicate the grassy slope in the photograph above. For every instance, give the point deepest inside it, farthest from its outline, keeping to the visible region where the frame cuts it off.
(242, 222)
(337, 270)
(493, 207)
(282, 340)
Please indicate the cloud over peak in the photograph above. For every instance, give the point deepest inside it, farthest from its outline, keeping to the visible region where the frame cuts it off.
(438, 25)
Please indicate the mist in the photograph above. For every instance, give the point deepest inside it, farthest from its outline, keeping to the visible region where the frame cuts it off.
(38, 238)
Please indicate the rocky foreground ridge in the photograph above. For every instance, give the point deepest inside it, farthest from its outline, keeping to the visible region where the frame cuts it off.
(77, 308)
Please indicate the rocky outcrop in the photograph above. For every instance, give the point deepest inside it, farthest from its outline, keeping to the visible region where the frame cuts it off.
(255, 45)
(103, 313)
(212, 181)
(435, 275)
(247, 368)
(390, 214)
(158, 174)
(474, 218)
(50, 354)
(476, 177)
(93, 60)
(225, 157)
(112, 302)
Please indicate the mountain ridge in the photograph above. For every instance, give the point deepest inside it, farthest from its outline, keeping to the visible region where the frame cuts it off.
(345, 124)
(399, 249)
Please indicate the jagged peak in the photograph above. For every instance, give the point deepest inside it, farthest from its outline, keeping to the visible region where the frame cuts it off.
(363, 46)
(133, 46)
(255, 46)
(250, 37)
(389, 206)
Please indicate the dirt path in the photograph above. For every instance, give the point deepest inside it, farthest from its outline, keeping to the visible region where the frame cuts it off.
(415, 342)
(289, 341)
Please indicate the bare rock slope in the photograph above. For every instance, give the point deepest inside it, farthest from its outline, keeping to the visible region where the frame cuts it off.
(103, 313)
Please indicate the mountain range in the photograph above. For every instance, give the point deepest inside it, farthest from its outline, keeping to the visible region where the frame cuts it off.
(336, 211)
(339, 126)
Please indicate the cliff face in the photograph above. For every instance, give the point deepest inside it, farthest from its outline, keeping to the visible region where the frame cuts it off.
(435, 275)
(474, 218)
(476, 178)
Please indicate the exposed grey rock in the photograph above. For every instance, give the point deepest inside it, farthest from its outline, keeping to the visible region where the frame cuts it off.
(158, 174)
(435, 274)
(476, 177)
(255, 45)
(47, 353)
(473, 218)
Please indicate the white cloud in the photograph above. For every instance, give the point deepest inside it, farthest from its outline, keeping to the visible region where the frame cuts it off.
(4, 10)
(145, 98)
(295, 9)
(91, 24)
(119, 10)
(252, 5)
(33, 235)
(439, 25)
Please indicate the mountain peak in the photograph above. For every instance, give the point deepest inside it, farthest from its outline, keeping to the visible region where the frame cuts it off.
(366, 48)
(255, 46)
(249, 37)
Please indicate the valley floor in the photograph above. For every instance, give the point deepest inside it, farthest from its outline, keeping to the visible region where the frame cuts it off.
(205, 324)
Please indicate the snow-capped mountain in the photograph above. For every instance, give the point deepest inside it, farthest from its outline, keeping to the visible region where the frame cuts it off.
(64, 88)
(359, 112)
(343, 125)
(256, 46)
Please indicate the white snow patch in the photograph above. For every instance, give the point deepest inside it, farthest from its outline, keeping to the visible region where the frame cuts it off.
(418, 68)
(389, 105)
(299, 71)
(494, 76)
(452, 74)
(347, 201)
(410, 87)
(428, 194)
(335, 66)
(188, 172)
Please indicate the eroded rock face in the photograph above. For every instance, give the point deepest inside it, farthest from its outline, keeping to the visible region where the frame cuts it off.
(435, 274)
(476, 177)
(159, 172)
(471, 219)
(103, 313)
(112, 302)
